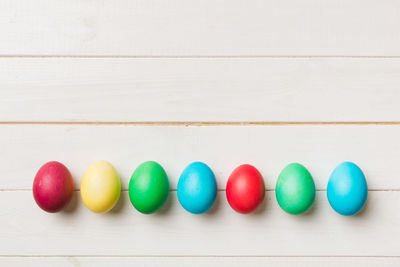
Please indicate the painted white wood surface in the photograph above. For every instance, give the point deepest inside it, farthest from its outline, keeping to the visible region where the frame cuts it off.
(198, 261)
(193, 89)
(130, 61)
(208, 27)
(375, 148)
(221, 232)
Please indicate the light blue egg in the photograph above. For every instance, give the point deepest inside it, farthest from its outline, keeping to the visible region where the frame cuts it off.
(197, 188)
(347, 189)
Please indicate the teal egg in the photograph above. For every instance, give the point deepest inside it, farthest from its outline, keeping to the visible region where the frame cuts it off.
(347, 189)
(197, 188)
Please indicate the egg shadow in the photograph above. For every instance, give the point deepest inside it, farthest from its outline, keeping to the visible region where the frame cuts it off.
(218, 203)
(163, 211)
(310, 212)
(364, 212)
(123, 199)
(262, 208)
(73, 205)
(307, 215)
(119, 207)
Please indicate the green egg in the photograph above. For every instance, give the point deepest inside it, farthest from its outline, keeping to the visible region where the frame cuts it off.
(295, 189)
(148, 187)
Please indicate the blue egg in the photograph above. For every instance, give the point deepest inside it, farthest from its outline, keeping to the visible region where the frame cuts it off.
(197, 188)
(347, 189)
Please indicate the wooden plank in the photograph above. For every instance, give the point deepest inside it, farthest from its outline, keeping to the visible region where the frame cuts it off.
(186, 89)
(24, 148)
(27, 230)
(201, 28)
(197, 261)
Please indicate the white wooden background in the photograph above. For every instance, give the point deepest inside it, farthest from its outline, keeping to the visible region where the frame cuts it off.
(266, 82)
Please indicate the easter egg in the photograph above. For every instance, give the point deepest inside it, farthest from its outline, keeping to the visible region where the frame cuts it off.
(197, 188)
(100, 187)
(148, 187)
(347, 189)
(53, 186)
(245, 189)
(295, 189)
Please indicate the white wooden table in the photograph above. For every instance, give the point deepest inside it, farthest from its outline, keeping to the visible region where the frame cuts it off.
(266, 82)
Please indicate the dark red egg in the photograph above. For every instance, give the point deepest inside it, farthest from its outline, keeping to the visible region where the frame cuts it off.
(53, 186)
(245, 189)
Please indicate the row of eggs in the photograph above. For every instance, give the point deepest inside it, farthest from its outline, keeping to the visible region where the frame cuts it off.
(197, 188)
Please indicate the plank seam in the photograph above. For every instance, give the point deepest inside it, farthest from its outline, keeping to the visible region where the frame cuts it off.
(204, 123)
(201, 56)
(199, 256)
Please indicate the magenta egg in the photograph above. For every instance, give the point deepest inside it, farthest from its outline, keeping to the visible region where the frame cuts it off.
(53, 186)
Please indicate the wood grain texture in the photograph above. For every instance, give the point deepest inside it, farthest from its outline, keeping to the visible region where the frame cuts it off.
(270, 148)
(27, 230)
(198, 261)
(216, 90)
(182, 27)
(81, 62)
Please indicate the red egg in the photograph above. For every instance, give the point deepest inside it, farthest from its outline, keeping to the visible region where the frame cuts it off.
(245, 189)
(53, 186)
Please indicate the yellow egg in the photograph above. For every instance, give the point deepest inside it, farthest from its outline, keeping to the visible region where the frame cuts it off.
(100, 187)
